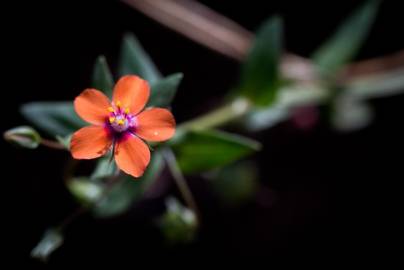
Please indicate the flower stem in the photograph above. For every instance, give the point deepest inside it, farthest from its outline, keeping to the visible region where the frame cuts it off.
(181, 182)
(70, 218)
(52, 144)
(223, 115)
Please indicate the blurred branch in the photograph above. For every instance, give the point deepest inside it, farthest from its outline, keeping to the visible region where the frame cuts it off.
(380, 65)
(198, 23)
(213, 30)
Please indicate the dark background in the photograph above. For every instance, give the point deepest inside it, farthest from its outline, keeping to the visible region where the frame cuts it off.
(327, 196)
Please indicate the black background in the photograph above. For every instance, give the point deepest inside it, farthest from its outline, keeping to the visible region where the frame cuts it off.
(328, 196)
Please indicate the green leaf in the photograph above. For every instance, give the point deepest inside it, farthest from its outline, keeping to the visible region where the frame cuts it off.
(102, 77)
(199, 151)
(23, 136)
(129, 190)
(260, 74)
(348, 39)
(163, 91)
(178, 224)
(134, 60)
(51, 241)
(56, 118)
(84, 190)
(236, 183)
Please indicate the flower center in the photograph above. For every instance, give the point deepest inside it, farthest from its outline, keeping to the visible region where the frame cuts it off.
(120, 119)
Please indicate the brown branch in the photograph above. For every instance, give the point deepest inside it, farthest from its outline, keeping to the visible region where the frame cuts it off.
(213, 30)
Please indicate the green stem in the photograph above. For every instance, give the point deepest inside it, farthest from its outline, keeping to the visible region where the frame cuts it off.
(181, 182)
(221, 116)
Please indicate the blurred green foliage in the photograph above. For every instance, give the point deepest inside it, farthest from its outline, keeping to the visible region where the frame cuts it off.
(236, 183)
(50, 241)
(178, 224)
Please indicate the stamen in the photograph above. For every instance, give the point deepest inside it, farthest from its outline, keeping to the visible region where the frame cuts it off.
(120, 119)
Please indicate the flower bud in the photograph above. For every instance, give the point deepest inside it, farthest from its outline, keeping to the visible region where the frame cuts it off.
(23, 136)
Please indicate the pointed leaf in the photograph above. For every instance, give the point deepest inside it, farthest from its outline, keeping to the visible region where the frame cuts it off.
(260, 74)
(102, 77)
(348, 39)
(135, 60)
(199, 151)
(56, 118)
(163, 91)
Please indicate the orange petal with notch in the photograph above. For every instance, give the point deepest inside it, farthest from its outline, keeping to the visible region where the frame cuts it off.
(92, 105)
(132, 155)
(132, 92)
(90, 142)
(155, 125)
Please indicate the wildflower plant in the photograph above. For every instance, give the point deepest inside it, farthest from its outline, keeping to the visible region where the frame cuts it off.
(134, 135)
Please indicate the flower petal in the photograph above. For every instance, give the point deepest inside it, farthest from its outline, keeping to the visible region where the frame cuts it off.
(132, 155)
(155, 125)
(90, 142)
(92, 105)
(132, 92)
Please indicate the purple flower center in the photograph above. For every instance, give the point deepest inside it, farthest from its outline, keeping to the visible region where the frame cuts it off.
(120, 120)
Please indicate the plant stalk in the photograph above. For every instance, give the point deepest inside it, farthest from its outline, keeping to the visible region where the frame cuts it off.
(52, 144)
(181, 183)
(220, 116)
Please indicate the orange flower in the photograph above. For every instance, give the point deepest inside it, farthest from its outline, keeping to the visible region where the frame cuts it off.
(121, 124)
